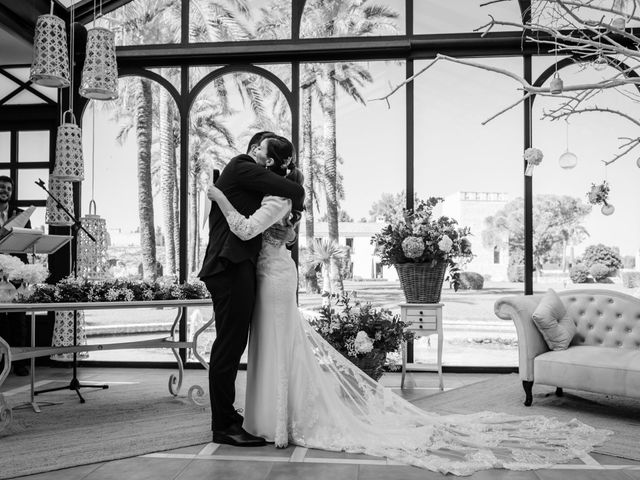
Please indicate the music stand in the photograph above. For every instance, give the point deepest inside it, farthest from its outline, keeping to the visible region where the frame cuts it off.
(28, 240)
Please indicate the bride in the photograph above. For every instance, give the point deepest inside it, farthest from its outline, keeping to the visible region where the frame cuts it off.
(300, 390)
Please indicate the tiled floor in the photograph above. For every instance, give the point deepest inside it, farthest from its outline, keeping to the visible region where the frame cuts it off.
(212, 461)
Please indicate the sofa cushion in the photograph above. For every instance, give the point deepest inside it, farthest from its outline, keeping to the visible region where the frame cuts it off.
(556, 327)
(615, 371)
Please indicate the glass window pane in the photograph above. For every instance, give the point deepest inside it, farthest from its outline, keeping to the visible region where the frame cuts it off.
(370, 19)
(33, 146)
(138, 161)
(239, 21)
(436, 16)
(145, 22)
(24, 98)
(27, 188)
(5, 147)
(198, 73)
(223, 117)
(577, 226)
(477, 170)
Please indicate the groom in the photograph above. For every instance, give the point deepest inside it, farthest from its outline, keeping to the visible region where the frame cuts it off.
(229, 272)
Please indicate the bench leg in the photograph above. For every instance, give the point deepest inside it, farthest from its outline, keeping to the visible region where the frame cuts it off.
(527, 385)
(559, 392)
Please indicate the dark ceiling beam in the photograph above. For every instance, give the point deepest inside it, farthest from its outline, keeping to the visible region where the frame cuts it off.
(318, 50)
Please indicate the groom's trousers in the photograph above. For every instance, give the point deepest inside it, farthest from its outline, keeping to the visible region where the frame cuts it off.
(233, 293)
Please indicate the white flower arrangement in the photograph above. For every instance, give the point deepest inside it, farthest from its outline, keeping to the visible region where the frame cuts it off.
(445, 244)
(9, 264)
(363, 343)
(30, 273)
(533, 157)
(412, 247)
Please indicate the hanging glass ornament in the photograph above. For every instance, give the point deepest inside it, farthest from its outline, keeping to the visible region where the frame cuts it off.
(50, 67)
(600, 63)
(568, 160)
(556, 86)
(69, 164)
(607, 209)
(100, 71)
(92, 256)
(63, 191)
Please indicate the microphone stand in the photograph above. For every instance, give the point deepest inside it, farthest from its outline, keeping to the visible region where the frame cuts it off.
(75, 384)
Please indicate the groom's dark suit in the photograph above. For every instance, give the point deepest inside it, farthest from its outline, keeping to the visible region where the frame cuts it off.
(229, 272)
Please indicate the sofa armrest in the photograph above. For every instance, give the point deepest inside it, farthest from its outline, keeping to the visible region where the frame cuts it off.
(519, 309)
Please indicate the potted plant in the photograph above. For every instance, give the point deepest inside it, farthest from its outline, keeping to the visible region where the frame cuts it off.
(363, 334)
(421, 248)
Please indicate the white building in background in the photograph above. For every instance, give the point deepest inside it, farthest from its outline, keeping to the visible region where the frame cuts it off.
(357, 236)
(471, 209)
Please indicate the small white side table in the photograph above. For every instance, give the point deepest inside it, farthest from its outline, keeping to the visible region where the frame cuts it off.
(423, 319)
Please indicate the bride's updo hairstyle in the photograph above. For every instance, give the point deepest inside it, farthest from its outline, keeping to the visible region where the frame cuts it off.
(281, 151)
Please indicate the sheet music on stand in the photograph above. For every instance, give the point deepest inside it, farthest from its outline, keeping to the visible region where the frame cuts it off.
(29, 240)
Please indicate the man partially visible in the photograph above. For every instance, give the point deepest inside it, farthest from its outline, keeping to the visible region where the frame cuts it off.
(13, 326)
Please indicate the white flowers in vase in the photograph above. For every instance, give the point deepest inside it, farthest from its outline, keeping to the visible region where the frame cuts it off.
(30, 273)
(9, 264)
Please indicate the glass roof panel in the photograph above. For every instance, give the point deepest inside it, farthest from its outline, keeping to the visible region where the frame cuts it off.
(437, 16)
(334, 18)
(221, 21)
(145, 22)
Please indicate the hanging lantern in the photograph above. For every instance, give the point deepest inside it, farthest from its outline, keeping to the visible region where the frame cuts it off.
(92, 256)
(100, 71)
(556, 86)
(69, 162)
(568, 160)
(50, 67)
(63, 191)
(63, 334)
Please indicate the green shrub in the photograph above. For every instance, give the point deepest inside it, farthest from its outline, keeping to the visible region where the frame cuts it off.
(631, 279)
(629, 261)
(600, 253)
(599, 271)
(579, 273)
(515, 270)
(471, 281)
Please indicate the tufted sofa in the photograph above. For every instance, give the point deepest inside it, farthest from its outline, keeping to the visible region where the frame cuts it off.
(604, 355)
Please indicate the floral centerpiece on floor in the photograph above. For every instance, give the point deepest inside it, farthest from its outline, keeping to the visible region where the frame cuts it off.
(421, 248)
(363, 334)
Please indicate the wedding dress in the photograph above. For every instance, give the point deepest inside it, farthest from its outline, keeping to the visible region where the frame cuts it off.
(301, 391)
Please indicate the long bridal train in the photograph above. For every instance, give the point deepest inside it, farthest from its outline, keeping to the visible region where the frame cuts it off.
(300, 390)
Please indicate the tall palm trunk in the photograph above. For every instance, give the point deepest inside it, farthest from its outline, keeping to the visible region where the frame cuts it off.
(194, 227)
(330, 169)
(143, 111)
(176, 218)
(167, 180)
(310, 278)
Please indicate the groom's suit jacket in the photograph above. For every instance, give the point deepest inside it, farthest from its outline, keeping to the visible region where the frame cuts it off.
(245, 184)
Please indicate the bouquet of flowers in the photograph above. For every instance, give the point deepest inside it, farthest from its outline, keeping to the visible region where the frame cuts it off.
(598, 194)
(360, 331)
(418, 237)
(534, 157)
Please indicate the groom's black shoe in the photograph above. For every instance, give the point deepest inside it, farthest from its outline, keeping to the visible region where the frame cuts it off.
(237, 436)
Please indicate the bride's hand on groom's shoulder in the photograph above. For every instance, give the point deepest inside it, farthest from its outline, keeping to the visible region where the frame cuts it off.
(213, 193)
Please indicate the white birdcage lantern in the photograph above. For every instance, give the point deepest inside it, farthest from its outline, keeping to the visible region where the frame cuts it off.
(92, 256)
(63, 334)
(69, 164)
(63, 191)
(50, 67)
(100, 71)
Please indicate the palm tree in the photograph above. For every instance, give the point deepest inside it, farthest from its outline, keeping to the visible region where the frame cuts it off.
(326, 253)
(338, 18)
